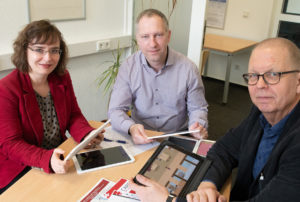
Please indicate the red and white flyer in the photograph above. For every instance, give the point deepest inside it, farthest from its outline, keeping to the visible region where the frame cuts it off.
(95, 193)
(121, 188)
(124, 196)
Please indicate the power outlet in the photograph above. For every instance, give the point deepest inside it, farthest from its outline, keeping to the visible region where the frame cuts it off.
(102, 45)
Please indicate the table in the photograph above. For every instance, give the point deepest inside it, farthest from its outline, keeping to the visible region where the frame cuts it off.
(229, 47)
(39, 186)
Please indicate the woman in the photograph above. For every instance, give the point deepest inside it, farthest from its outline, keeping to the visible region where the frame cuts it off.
(38, 105)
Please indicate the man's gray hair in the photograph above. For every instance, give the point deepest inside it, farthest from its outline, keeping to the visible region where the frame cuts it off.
(153, 12)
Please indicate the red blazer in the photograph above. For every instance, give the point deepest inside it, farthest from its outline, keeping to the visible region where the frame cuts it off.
(21, 126)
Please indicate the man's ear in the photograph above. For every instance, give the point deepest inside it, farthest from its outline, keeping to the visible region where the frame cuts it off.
(298, 83)
(169, 35)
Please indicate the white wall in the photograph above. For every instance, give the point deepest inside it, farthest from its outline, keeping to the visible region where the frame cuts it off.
(104, 20)
(254, 27)
(180, 26)
(84, 73)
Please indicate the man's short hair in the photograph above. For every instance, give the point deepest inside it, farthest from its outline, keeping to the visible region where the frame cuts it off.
(292, 49)
(153, 12)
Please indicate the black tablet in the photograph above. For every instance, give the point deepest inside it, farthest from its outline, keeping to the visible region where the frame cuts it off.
(180, 171)
(101, 158)
(188, 143)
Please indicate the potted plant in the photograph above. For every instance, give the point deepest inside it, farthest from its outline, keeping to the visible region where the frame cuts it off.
(108, 77)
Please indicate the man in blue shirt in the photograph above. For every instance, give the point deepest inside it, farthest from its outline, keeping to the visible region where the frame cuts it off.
(266, 145)
(162, 87)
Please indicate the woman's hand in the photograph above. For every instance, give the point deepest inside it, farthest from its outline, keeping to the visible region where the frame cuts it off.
(57, 162)
(96, 141)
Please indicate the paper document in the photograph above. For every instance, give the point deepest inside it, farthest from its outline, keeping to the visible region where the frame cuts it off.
(173, 134)
(204, 147)
(114, 138)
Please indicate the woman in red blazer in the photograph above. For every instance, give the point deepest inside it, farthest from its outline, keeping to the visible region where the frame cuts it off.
(38, 105)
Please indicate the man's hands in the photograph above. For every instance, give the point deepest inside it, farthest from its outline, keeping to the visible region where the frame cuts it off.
(206, 192)
(58, 164)
(138, 134)
(199, 135)
(152, 191)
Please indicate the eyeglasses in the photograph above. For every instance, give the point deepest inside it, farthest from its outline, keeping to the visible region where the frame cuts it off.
(269, 77)
(42, 52)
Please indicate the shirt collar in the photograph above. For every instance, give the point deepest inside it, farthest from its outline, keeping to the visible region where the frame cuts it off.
(277, 127)
(169, 62)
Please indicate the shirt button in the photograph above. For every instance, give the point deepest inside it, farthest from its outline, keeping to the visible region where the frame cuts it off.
(156, 89)
(157, 117)
(156, 103)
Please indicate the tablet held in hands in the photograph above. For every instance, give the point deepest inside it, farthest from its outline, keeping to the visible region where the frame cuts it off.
(86, 140)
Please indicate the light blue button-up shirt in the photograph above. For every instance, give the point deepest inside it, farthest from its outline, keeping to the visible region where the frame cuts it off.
(169, 100)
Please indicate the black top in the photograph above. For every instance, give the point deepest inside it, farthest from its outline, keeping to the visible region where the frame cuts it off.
(281, 173)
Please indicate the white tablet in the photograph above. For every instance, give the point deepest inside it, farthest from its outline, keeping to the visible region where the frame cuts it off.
(101, 158)
(86, 140)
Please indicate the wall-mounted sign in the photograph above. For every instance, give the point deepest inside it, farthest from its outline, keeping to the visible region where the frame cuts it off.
(215, 13)
(56, 10)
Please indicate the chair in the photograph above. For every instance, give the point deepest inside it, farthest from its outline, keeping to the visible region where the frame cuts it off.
(204, 58)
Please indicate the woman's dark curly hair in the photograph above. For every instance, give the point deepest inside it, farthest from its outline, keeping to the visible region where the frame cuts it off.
(38, 32)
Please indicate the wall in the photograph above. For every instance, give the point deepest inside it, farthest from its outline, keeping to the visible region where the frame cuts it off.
(254, 27)
(86, 63)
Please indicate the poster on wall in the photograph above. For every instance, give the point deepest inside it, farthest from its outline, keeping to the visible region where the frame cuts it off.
(56, 10)
(215, 13)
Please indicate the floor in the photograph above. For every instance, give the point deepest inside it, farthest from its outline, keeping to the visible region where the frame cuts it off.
(222, 117)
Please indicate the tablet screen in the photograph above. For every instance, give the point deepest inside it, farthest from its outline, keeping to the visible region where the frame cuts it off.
(102, 158)
(186, 143)
(172, 169)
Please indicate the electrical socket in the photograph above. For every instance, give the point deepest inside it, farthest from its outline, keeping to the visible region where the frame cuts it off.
(102, 45)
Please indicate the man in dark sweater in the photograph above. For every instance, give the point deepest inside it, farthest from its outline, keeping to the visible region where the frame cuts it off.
(265, 147)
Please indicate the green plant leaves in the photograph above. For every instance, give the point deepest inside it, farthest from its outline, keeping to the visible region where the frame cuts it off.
(108, 77)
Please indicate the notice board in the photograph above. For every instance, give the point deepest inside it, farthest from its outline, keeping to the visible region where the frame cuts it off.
(216, 13)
